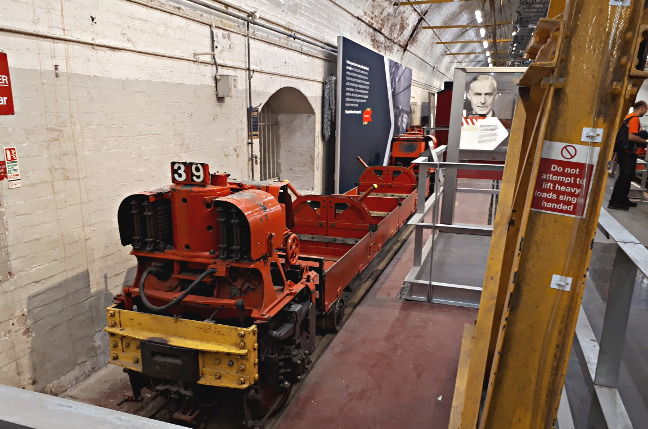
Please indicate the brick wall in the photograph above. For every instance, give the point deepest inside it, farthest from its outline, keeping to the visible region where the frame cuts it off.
(107, 93)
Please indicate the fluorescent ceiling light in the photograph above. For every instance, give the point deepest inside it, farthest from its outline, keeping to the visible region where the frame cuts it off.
(488, 54)
(485, 43)
(478, 15)
(482, 32)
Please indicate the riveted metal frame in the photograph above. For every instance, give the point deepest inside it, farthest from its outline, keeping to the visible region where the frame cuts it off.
(525, 328)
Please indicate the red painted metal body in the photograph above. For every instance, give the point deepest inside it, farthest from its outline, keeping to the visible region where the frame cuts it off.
(345, 233)
(338, 237)
(410, 145)
(253, 254)
(243, 262)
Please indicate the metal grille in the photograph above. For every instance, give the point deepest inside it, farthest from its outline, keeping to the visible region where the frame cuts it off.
(269, 144)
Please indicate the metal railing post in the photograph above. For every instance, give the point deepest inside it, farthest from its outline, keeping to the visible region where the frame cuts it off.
(420, 208)
(420, 200)
(615, 322)
(418, 246)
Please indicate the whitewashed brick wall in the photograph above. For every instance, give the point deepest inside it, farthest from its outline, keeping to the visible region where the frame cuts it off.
(110, 123)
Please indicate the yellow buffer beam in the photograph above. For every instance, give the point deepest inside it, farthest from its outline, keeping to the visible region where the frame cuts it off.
(227, 355)
(176, 341)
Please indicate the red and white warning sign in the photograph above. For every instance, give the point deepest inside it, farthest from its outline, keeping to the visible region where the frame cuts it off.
(12, 167)
(6, 98)
(564, 178)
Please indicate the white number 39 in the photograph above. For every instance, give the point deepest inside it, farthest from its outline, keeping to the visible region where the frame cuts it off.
(197, 173)
(179, 172)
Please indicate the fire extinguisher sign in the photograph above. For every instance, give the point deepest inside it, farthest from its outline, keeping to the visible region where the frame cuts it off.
(564, 178)
(6, 98)
(12, 168)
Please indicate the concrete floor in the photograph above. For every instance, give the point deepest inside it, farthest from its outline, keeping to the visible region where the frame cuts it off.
(394, 363)
(633, 378)
(107, 388)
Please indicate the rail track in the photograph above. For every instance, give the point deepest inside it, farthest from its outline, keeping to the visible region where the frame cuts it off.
(227, 412)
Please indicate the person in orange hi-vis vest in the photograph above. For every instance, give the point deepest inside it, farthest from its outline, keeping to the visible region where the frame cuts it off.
(627, 159)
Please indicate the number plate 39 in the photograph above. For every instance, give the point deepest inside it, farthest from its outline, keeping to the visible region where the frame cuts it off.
(190, 173)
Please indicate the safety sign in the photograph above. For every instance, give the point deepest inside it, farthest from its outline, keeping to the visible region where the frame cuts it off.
(12, 167)
(482, 133)
(6, 98)
(564, 178)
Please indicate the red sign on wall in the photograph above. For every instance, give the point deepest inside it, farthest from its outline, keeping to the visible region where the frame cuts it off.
(10, 154)
(564, 178)
(6, 99)
(12, 167)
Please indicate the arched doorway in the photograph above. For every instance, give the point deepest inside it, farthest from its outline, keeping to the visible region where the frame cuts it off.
(287, 138)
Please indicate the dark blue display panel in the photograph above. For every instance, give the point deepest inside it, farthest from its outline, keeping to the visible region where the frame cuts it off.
(373, 104)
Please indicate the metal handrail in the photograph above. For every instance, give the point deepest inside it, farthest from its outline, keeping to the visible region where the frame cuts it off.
(423, 208)
(460, 165)
(603, 359)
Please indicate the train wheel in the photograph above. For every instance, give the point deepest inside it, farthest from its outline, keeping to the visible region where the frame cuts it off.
(335, 316)
(261, 402)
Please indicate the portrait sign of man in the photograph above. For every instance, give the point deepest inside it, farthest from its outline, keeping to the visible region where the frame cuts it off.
(482, 92)
(481, 128)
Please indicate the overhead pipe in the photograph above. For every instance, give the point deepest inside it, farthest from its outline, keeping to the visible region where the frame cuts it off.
(250, 20)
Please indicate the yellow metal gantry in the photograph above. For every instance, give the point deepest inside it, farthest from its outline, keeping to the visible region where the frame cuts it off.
(585, 75)
(446, 27)
(459, 42)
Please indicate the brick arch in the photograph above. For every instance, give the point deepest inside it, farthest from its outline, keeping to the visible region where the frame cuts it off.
(287, 129)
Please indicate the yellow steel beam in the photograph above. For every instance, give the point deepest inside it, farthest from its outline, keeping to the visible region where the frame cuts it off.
(528, 371)
(457, 42)
(525, 327)
(464, 53)
(501, 256)
(443, 27)
(413, 3)
(556, 7)
(462, 374)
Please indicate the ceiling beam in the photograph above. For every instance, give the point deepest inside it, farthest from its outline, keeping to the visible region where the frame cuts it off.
(456, 42)
(493, 13)
(441, 27)
(412, 3)
(464, 53)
